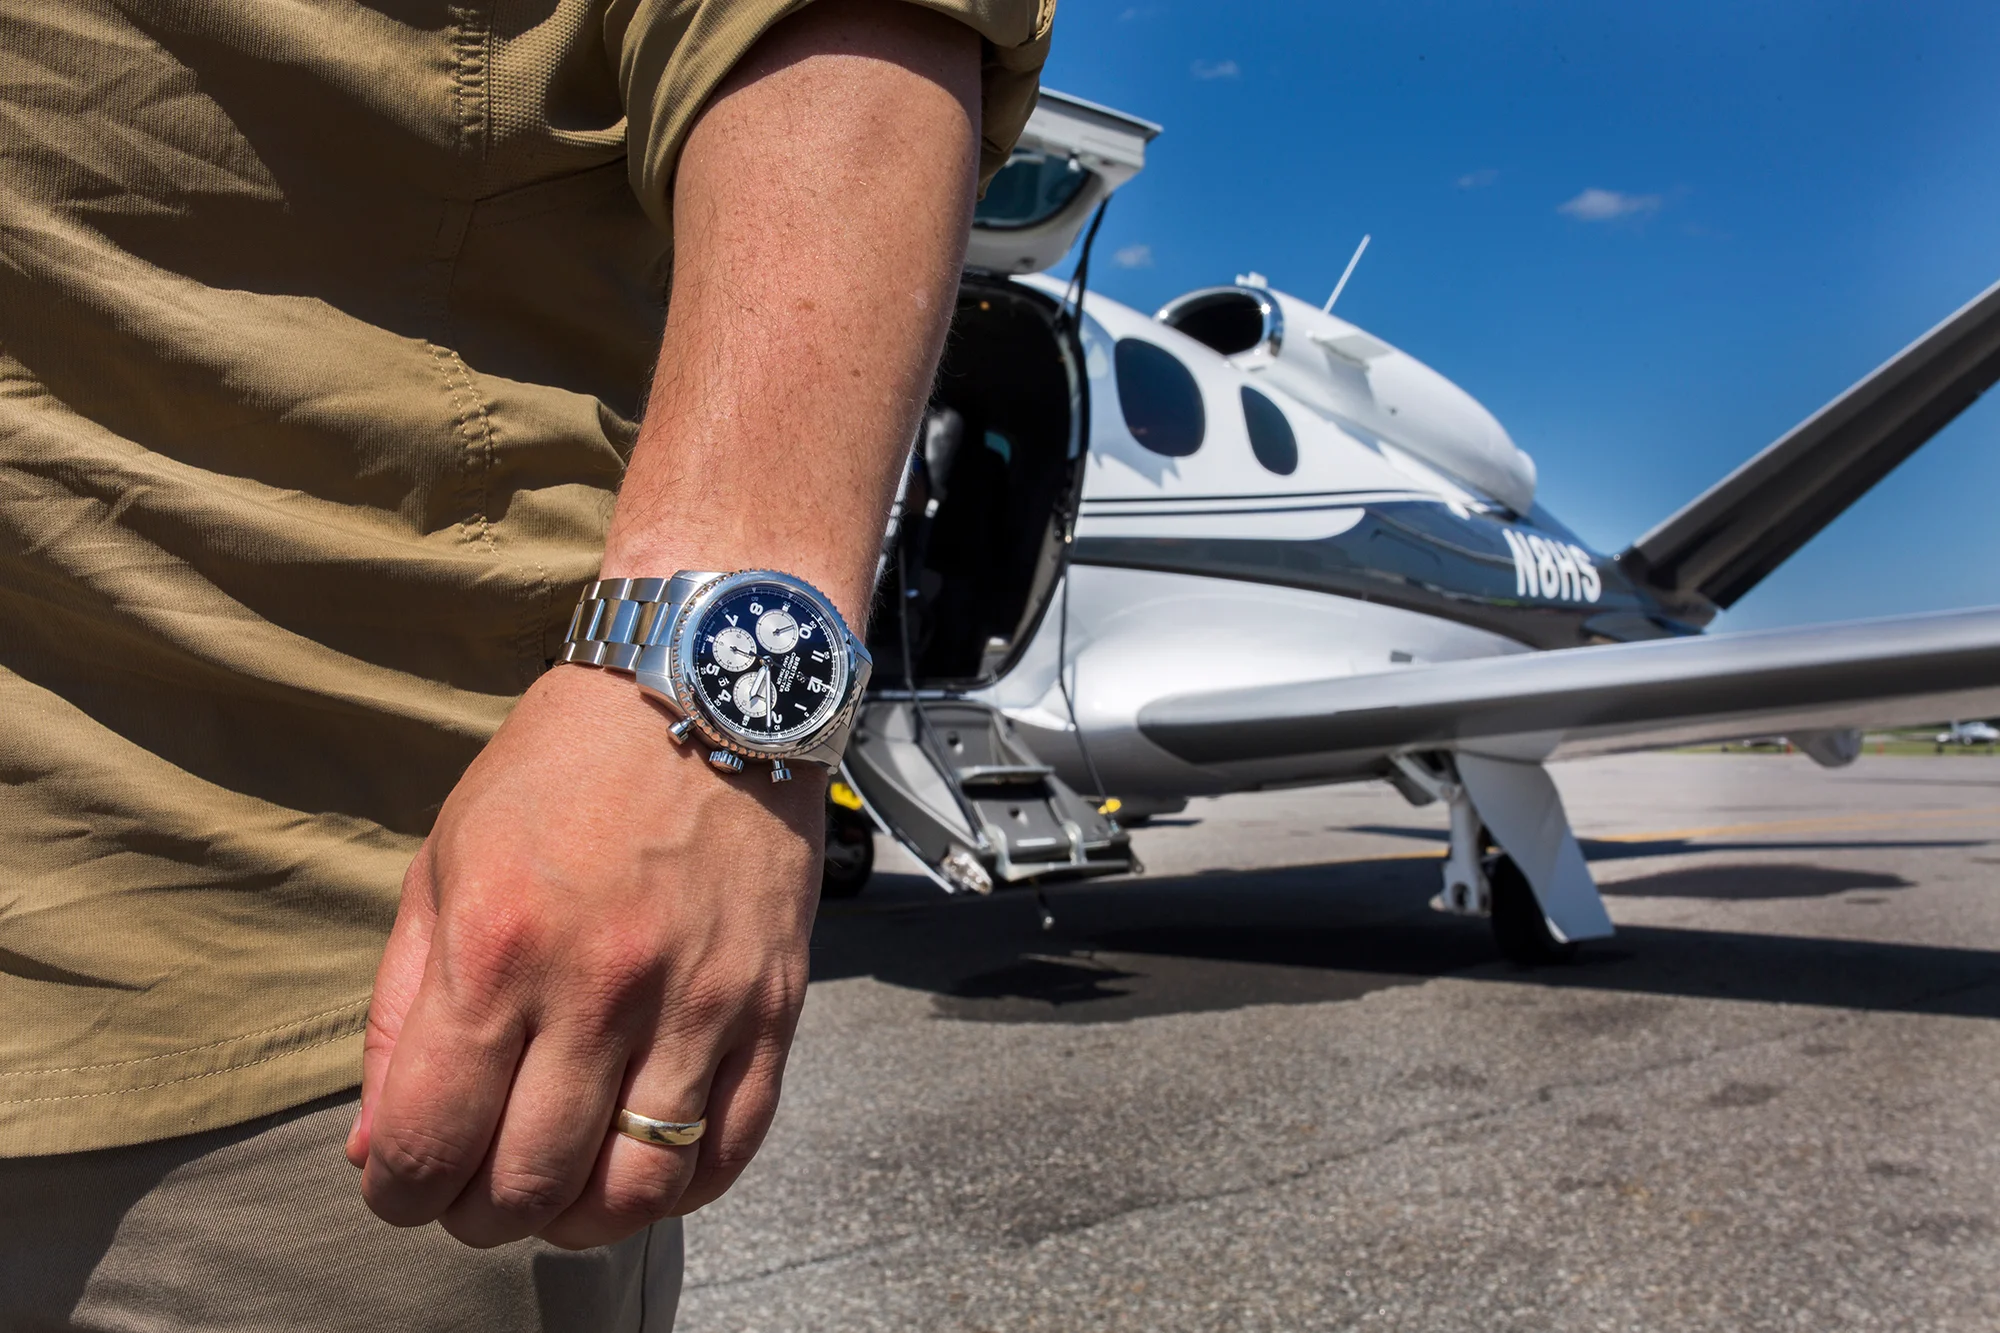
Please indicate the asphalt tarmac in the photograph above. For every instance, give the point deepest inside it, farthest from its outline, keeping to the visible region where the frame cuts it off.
(1264, 1087)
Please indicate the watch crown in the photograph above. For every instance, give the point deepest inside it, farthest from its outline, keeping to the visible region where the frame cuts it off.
(779, 773)
(681, 730)
(727, 762)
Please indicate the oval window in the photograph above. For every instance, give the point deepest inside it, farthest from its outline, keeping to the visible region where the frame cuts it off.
(1160, 400)
(1271, 437)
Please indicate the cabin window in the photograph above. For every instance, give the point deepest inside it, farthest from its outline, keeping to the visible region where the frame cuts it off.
(1032, 188)
(1271, 437)
(1160, 400)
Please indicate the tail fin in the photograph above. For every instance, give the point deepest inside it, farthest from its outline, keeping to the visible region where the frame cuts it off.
(1723, 543)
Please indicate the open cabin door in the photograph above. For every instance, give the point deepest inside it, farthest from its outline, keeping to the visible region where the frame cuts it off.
(1070, 158)
(975, 550)
(978, 541)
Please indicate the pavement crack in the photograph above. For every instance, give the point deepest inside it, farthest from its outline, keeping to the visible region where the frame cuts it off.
(796, 1265)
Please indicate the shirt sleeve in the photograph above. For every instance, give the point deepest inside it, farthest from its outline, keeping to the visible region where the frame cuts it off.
(671, 55)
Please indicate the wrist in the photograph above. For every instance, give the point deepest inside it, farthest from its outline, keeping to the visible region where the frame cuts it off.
(606, 708)
(601, 700)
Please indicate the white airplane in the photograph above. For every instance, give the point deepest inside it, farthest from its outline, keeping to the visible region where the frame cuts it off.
(1242, 543)
(1968, 733)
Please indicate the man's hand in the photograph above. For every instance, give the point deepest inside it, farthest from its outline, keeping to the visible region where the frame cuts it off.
(598, 919)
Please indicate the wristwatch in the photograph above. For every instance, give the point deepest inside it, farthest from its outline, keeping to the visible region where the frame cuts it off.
(757, 664)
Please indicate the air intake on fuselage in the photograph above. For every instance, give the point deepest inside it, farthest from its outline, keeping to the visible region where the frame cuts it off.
(1230, 320)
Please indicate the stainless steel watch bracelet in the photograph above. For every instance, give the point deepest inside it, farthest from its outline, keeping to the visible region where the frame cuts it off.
(615, 620)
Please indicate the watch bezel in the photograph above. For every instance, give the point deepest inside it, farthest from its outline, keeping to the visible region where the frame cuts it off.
(685, 652)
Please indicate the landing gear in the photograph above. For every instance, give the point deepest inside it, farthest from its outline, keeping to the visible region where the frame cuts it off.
(1519, 927)
(850, 853)
(1538, 913)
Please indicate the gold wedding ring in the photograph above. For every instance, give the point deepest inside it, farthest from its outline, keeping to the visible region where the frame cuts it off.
(664, 1133)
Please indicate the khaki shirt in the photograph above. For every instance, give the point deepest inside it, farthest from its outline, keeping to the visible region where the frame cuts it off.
(323, 328)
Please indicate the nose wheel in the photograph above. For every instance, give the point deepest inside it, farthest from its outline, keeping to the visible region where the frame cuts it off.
(850, 853)
(1479, 882)
(1519, 927)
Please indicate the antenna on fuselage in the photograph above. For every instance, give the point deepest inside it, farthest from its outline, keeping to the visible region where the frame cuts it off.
(1345, 274)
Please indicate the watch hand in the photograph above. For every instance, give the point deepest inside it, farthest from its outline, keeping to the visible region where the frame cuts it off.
(761, 688)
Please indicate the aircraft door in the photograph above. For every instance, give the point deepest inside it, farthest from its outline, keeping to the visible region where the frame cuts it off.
(1071, 156)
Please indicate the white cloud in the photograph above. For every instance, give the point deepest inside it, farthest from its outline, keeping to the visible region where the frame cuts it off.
(1477, 180)
(1595, 205)
(1133, 256)
(1216, 69)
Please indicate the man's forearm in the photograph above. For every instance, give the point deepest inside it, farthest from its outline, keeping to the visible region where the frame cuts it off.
(820, 216)
(598, 919)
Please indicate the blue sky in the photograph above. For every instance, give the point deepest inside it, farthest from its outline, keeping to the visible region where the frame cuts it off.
(1649, 237)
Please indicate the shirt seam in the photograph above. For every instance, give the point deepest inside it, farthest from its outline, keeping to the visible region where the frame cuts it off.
(472, 67)
(185, 1078)
(187, 1050)
(475, 428)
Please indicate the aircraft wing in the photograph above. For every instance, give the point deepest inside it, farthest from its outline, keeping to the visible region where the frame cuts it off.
(1894, 672)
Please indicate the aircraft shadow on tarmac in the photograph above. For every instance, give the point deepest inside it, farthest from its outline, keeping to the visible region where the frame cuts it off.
(1751, 882)
(1326, 933)
(1598, 849)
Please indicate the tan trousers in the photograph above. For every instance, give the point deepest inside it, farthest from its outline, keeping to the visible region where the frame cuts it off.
(261, 1227)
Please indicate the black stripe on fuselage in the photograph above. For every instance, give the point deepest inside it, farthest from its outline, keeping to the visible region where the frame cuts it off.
(1419, 556)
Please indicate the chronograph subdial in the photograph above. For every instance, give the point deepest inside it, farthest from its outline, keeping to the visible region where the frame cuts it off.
(754, 694)
(778, 631)
(733, 648)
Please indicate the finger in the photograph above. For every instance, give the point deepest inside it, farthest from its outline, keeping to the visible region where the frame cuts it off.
(548, 1139)
(634, 1184)
(742, 1100)
(397, 979)
(449, 1074)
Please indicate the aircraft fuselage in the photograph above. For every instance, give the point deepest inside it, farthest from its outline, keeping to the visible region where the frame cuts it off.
(1205, 554)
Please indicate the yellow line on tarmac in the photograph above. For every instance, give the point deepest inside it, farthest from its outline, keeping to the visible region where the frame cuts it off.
(1892, 817)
